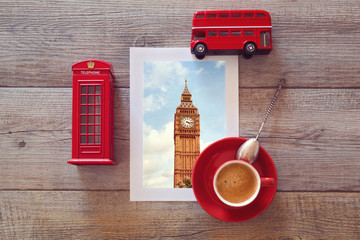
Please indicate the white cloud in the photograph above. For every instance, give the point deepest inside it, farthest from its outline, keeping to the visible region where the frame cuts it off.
(200, 71)
(219, 64)
(153, 103)
(149, 105)
(158, 156)
(160, 75)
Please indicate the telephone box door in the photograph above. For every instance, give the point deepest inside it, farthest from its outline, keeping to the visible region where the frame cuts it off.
(91, 119)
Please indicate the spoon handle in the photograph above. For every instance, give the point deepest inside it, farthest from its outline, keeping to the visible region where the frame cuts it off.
(281, 83)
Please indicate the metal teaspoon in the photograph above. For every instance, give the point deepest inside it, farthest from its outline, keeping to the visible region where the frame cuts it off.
(249, 150)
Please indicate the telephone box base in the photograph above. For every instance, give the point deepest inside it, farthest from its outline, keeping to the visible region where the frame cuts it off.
(92, 161)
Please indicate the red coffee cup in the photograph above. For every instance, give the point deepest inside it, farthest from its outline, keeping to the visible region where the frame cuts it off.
(237, 183)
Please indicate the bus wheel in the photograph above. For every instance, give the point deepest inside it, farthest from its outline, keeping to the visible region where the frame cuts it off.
(250, 48)
(200, 50)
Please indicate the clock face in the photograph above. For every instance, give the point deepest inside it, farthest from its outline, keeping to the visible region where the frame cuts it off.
(187, 122)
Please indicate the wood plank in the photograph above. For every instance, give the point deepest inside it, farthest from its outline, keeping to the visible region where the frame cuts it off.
(35, 142)
(316, 44)
(312, 136)
(109, 215)
(315, 147)
(309, 47)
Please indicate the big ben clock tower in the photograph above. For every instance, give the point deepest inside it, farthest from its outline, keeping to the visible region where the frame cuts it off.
(186, 138)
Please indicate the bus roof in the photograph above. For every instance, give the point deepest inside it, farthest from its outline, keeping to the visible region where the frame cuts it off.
(233, 11)
(231, 18)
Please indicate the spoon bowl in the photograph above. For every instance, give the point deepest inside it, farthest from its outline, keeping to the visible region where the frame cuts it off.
(249, 150)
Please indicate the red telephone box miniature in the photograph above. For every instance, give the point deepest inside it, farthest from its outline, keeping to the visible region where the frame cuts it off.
(93, 106)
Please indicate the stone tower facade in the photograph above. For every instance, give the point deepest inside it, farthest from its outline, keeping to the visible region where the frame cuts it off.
(186, 137)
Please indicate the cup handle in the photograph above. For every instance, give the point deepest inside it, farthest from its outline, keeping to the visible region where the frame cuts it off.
(267, 181)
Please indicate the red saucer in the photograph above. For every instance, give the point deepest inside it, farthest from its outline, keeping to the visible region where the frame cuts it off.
(204, 170)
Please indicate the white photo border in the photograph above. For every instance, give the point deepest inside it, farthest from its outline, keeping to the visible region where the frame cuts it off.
(137, 57)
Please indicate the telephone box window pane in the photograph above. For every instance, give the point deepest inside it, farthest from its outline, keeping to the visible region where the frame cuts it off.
(97, 99)
(97, 90)
(91, 99)
(91, 90)
(83, 89)
(83, 119)
(90, 129)
(90, 109)
(90, 119)
(90, 124)
(97, 119)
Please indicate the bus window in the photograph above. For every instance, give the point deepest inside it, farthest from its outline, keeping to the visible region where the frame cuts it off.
(212, 33)
(249, 15)
(260, 15)
(265, 39)
(199, 35)
(200, 16)
(223, 33)
(211, 15)
(223, 15)
(236, 15)
(248, 33)
(235, 33)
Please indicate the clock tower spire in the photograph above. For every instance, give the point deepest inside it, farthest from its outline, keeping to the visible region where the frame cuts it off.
(186, 139)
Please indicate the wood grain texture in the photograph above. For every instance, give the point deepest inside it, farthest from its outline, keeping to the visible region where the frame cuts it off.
(312, 136)
(307, 141)
(313, 133)
(35, 142)
(316, 44)
(109, 215)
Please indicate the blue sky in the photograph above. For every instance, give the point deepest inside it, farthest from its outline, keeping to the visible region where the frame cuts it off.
(163, 84)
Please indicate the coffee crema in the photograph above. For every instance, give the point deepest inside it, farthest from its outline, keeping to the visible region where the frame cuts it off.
(236, 183)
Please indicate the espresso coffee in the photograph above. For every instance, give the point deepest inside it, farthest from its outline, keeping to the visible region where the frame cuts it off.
(236, 183)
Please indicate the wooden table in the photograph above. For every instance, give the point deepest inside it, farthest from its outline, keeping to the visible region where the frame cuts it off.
(313, 134)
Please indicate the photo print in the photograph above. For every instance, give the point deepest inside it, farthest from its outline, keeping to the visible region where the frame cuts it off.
(178, 106)
(183, 112)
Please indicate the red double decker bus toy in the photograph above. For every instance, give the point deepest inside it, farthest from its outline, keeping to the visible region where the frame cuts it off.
(93, 118)
(247, 32)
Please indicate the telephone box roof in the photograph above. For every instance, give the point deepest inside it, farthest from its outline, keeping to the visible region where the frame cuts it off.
(93, 64)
